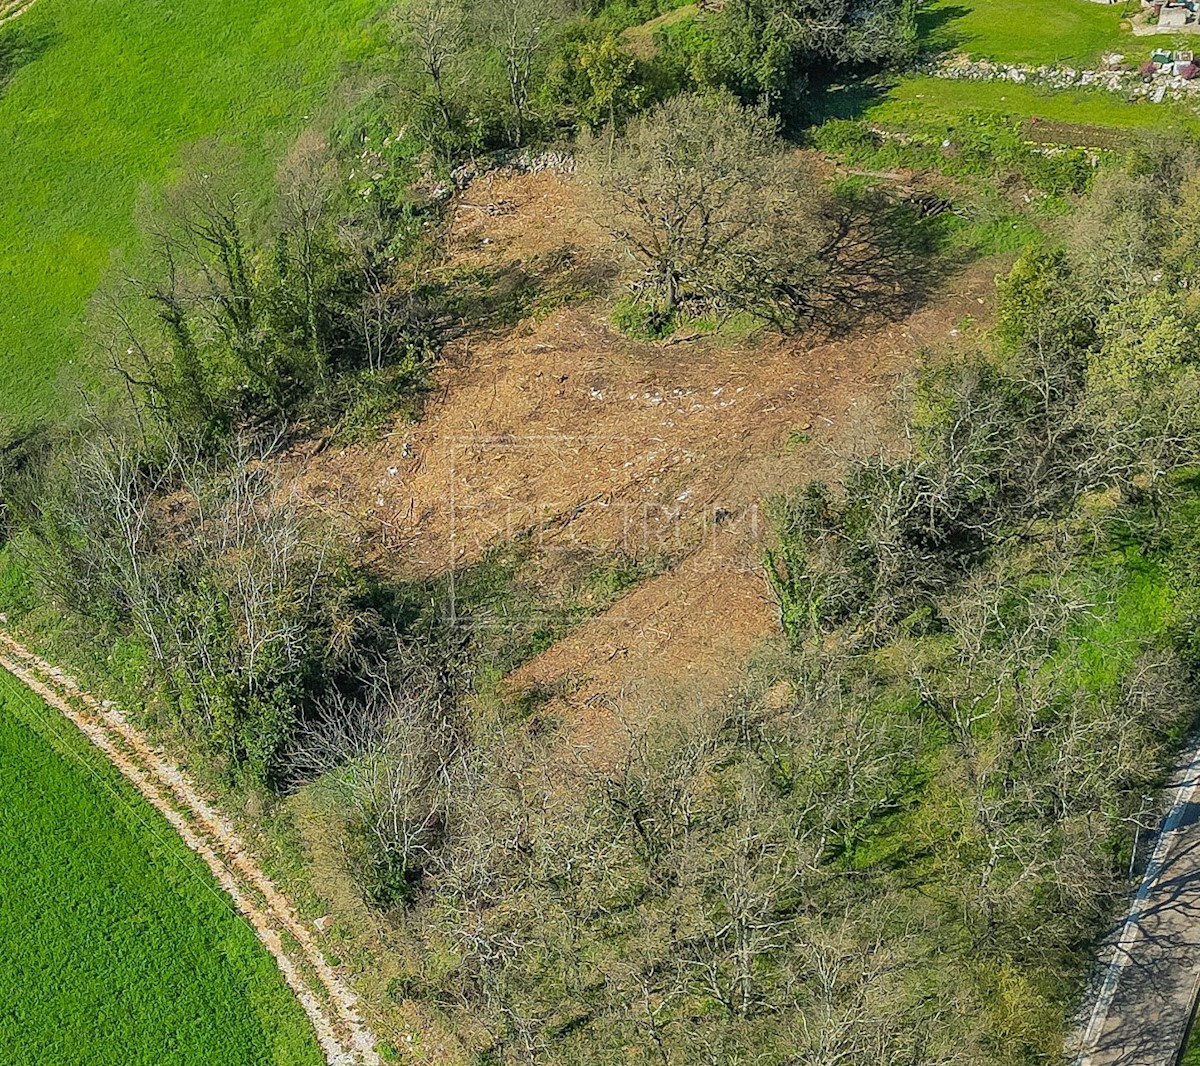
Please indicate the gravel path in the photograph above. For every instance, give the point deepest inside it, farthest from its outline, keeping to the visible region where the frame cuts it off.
(326, 999)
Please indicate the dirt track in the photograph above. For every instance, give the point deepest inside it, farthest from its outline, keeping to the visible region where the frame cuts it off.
(328, 1002)
(14, 9)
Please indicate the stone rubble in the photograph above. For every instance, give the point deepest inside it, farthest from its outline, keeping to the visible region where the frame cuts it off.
(1129, 83)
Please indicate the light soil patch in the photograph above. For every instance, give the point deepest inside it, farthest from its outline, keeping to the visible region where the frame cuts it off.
(330, 1005)
(13, 9)
(504, 218)
(566, 432)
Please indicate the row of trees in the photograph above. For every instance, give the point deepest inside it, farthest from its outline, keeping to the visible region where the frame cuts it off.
(506, 73)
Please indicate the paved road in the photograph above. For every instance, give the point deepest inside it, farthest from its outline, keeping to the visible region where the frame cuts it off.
(1146, 1000)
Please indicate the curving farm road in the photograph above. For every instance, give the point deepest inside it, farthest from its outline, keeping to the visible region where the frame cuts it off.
(326, 999)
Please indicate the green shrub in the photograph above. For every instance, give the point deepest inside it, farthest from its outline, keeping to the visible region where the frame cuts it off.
(307, 323)
(636, 317)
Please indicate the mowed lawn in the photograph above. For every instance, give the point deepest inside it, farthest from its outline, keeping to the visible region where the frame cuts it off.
(116, 946)
(1075, 32)
(96, 99)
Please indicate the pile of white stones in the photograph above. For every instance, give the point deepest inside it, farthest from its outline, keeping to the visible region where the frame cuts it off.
(1126, 82)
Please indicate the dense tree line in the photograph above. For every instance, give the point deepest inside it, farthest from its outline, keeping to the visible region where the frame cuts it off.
(232, 321)
(524, 70)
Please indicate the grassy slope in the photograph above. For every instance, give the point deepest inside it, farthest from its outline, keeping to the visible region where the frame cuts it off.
(116, 947)
(931, 100)
(1021, 31)
(1029, 31)
(103, 95)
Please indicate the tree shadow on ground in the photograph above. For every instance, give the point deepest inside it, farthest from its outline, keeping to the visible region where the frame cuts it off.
(20, 46)
(850, 94)
(845, 97)
(890, 256)
(884, 254)
(935, 34)
(495, 299)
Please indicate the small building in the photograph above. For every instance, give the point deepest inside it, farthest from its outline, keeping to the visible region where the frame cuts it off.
(1176, 14)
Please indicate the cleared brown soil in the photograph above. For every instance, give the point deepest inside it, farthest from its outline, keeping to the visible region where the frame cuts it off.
(571, 433)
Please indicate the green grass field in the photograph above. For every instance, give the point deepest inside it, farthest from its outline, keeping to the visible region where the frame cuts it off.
(116, 946)
(1029, 31)
(1074, 32)
(931, 101)
(1191, 1054)
(97, 97)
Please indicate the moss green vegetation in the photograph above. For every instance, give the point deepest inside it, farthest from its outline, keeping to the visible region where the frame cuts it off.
(116, 947)
(1028, 31)
(1191, 1054)
(96, 99)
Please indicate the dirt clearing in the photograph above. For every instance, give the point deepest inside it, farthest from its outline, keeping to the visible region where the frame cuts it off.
(571, 434)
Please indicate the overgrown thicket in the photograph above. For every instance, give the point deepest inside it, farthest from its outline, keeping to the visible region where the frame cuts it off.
(240, 621)
(234, 323)
(515, 72)
(1093, 386)
(1003, 581)
(772, 50)
(863, 865)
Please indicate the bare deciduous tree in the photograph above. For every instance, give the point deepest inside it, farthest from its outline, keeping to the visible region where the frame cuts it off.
(520, 31)
(437, 32)
(692, 186)
(712, 205)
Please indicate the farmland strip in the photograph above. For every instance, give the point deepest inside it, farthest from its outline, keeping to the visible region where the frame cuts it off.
(327, 1000)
